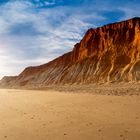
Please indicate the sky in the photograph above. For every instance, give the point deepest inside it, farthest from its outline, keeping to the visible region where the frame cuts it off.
(33, 32)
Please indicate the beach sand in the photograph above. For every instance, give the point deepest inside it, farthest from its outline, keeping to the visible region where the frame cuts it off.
(52, 115)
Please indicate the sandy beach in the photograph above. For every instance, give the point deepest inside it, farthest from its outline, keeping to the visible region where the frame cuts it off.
(52, 115)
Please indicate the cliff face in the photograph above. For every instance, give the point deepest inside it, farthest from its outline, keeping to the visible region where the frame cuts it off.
(106, 54)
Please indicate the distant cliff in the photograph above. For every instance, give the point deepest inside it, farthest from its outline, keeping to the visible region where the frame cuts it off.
(106, 54)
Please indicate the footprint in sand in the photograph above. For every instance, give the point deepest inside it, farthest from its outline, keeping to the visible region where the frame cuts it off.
(90, 123)
(126, 131)
(44, 125)
(122, 136)
(137, 118)
(65, 134)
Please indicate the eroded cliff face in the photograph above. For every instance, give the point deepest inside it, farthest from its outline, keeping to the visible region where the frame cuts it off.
(106, 54)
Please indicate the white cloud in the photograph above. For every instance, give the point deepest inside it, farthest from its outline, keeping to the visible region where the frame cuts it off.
(130, 12)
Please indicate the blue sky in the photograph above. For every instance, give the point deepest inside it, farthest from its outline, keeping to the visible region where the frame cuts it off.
(33, 32)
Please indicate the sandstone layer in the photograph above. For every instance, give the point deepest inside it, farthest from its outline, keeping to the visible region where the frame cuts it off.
(110, 53)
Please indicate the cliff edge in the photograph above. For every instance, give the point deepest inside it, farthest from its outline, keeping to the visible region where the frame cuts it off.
(110, 53)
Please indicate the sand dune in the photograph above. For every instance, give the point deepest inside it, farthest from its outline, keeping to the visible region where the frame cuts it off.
(48, 115)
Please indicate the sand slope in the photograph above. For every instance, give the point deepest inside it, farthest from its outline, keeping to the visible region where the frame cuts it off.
(44, 115)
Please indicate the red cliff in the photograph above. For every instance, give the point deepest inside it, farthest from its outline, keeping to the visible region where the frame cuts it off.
(106, 54)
